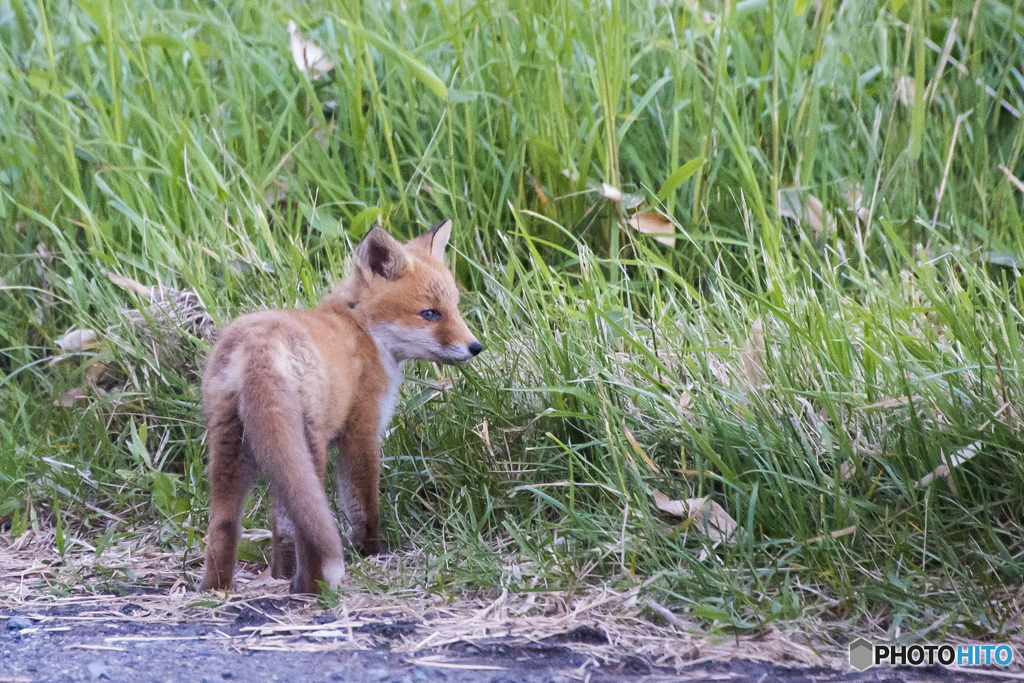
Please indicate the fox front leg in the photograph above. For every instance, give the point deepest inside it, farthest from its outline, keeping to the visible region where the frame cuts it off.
(359, 481)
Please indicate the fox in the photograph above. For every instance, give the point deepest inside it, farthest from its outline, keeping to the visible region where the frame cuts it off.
(282, 387)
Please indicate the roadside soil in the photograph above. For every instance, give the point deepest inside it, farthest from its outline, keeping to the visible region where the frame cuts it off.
(131, 616)
(69, 643)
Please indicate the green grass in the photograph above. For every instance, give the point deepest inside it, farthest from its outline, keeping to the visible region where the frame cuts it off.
(143, 138)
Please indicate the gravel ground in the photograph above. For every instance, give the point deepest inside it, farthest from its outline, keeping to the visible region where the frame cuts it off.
(63, 649)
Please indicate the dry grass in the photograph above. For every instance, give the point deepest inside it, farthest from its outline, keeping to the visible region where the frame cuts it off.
(36, 579)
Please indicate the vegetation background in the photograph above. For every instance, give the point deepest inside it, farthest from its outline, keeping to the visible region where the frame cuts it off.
(747, 274)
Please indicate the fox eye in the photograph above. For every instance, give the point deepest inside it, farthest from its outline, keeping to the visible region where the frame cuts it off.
(431, 315)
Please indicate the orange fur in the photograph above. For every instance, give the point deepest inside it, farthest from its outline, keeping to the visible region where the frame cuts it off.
(280, 387)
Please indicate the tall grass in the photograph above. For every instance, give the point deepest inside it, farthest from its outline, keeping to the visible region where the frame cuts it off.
(839, 315)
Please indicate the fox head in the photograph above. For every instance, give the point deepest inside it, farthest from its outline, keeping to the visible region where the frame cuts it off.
(407, 297)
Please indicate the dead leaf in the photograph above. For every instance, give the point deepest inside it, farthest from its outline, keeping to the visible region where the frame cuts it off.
(611, 192)
(752, 357)
(307, 55)
(711, 518)
(803, 208)
(904, 90)
(624, 199)
(484, 432)
(666, 504)
(955, 460)
(847, 469)
(814, 213)
(789, 204)
(855, 201)
(839, 533)
(705, 515)
(277, 191)
(257, 535)
(77, 340)
(101, 377)
(656, 225)
(685, 399)
(70, 397)
(718, 370)
(129, 284)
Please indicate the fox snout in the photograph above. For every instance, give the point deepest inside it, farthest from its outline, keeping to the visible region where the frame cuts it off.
(462, 353)
(455, 337)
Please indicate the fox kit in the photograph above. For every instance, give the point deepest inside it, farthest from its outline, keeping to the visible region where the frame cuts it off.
(281, 387)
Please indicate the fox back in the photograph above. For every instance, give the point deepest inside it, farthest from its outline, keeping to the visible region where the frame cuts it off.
(282, 387)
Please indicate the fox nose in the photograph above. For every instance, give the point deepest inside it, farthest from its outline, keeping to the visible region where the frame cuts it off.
(475, 348)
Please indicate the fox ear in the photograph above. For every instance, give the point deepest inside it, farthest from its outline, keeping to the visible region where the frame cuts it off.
(435, 240)
(439, 238)
(381, 254)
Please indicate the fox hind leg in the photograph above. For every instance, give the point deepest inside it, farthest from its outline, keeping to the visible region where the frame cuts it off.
(313, 564)
(317, 545)
(231, 474)
(282, 549)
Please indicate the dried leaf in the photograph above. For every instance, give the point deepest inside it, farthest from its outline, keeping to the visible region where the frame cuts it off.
(752, 357)
(70, 397)
(855, 201)
(95, 372)
(277, 191)
(847, 469)
(814, 213)
(129, 284)
(806, 209)
(904, 90)
(77, 340)
(839, 533)
(611, 192)
(955, 460)
(257, 535)
(789, 204)
(656, 225)
(705, 515)
(718, 369)
(307, 55)
(624, 199)
(672, 507)
(484, 432)
(711, 518)
(685, 400)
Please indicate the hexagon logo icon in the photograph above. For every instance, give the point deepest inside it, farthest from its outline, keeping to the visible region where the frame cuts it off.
(861, 654)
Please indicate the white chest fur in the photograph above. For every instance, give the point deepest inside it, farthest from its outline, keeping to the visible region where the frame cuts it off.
(389, 400)
(385, 339)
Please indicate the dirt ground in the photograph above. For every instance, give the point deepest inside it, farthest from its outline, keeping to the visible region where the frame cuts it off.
(68, 643)
(65, 617)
